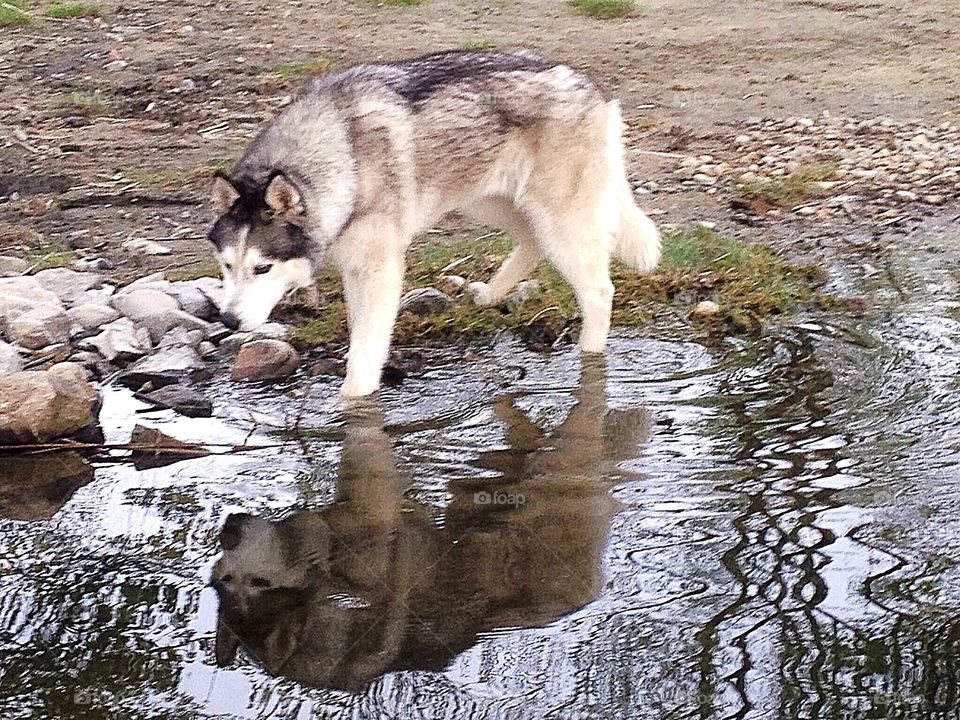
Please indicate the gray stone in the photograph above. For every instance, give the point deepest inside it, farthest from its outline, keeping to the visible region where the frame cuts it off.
(143, 303)
(193, 299)
(100, 296)
(12, 266)
(90, 316)
(120, 339)
(425, 301)
(67, 284)
(36, 407)
(10, 360)
(41, 326)
(160, 324)
(147, 247)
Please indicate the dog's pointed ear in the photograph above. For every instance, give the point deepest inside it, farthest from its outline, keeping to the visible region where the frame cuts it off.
(232, 530)
(223, 193)
(283, 198)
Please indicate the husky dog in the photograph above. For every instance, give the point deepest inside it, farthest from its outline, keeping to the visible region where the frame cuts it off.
(371, 156)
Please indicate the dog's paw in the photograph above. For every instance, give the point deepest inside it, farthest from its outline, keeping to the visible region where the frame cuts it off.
(481, 294)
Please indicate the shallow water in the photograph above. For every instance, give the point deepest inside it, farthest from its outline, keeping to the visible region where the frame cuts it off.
(768, 531)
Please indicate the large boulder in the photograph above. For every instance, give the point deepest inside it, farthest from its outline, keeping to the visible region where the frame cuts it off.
(11, 266)
(38, 327)
(22, 294)
(37, 407)
(67, 284)
(143, 303)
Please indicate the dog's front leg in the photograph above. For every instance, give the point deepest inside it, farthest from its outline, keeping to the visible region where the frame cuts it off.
(372, 283)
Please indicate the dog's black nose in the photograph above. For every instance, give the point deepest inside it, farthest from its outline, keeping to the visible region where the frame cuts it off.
(230, 320)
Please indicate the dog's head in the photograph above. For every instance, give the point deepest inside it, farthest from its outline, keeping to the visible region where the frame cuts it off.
(261, 244)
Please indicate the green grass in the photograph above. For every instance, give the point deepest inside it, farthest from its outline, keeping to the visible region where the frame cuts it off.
(604, 8)
(12, 13)
(795, 188)
(205, 266)
(305, 67)
(49, 254)
(175, 178)
(73, 10)
(478, 44)
(749, 281)
(91, 104)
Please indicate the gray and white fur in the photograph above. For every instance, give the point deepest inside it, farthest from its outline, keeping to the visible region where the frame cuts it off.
(372, 156)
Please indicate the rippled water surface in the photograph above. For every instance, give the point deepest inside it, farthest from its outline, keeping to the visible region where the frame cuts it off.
(770, 530)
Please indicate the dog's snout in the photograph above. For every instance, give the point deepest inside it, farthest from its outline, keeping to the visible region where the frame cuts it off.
(230, 320)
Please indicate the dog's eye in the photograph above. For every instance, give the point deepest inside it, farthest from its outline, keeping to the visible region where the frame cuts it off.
(227, 578)
(262, 269)
(228, 267)
(259, 582)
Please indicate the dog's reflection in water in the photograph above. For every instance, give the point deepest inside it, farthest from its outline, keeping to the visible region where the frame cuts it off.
(338, 596)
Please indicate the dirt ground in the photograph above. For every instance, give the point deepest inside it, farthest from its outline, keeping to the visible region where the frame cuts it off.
(110, 125)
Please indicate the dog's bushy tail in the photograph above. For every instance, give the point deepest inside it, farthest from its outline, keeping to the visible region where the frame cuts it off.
(636, 238)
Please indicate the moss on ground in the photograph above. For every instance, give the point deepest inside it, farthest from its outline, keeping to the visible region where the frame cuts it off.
(793, 189)
(749, 281)
(67, 10)
(13, 13)
(604, 8)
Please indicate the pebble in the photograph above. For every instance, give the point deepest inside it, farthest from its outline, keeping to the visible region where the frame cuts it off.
(425, 301)
(705, 309)
(451, 284)
(147, 247)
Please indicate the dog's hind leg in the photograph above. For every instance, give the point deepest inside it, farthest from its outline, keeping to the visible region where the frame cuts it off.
(580, 251)
(521, 262)
(372, 271)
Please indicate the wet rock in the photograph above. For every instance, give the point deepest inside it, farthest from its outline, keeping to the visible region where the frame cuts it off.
(10, 360)
(403, 364)
(39, 406)
(328, 366)
(265, 360)
(95, 365)
(159, 449)
(41, 326)
(168, 366)
(120, 340)
(89, 316)
(425, 301)
(36, 487)
(67, 284)
(12, 266)
(192, 299)
(143, 303)
(180, 399)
